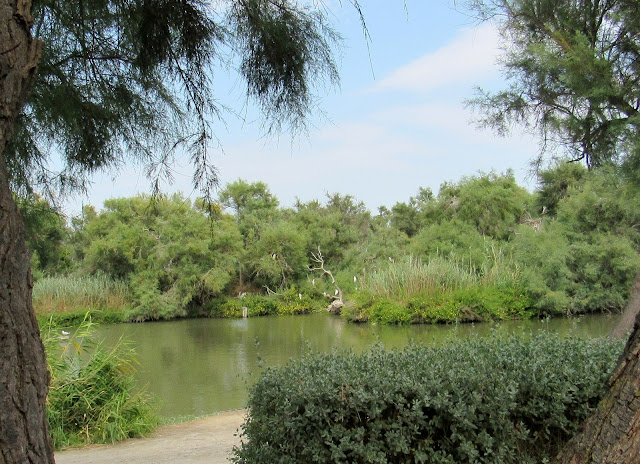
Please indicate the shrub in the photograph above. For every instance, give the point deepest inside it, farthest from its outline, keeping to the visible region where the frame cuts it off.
(290, 301)
(92, 395)
(498, 400)
(543, 257)
(453, 240)
(605, 266)
(229, 307)
(492, 203)
(474, 303)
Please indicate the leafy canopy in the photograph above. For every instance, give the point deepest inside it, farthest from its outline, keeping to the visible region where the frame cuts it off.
(133, 80)
(573, 67)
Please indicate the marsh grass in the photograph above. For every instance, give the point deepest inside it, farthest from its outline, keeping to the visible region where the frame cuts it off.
(67, 294)
(92, 396)
(410, 278)
(443, 290)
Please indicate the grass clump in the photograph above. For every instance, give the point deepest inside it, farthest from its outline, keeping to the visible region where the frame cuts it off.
(62, 295)
(442, 290)
(498, 400)
(92, 394)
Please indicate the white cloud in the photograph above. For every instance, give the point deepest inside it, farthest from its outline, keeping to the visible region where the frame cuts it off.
(470, 58)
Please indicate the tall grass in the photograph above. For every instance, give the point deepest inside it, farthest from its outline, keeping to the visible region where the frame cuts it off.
(406, 279)
(65, 294)
(443, 290)
(92, 395)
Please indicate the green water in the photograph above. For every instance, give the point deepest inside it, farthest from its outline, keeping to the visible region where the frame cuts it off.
(200, 366)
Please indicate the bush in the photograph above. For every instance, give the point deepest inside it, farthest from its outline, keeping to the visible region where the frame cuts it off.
(474, 303)
(92, 395)
(605, 266)
(543, 257)
(290, 301)
(452, 240)
(497, 400)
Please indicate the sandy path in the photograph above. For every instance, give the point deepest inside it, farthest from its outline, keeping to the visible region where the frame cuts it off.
(207, 440)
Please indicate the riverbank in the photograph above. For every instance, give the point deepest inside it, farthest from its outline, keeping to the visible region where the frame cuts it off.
(209, 440)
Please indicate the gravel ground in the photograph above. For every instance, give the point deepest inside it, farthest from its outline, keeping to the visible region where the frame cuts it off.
(209, 440)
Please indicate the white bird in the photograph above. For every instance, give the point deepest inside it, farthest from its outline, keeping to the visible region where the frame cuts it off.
(355, 279)
(336, 292)
(300, 295)
(64, 332)
(274, 256)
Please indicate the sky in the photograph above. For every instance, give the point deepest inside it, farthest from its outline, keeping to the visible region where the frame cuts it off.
(396, 123)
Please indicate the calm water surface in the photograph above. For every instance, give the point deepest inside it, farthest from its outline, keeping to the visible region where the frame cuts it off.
(201, 366)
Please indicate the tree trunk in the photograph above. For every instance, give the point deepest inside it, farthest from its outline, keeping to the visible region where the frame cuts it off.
(612, 434)
(622, 329)
(24, 379)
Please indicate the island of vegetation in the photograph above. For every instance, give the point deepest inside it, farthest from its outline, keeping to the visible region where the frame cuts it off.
(482, 249)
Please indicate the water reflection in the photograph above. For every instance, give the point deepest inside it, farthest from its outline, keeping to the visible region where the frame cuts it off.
(202, 366)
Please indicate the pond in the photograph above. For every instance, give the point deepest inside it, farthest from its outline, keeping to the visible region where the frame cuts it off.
(201, 366)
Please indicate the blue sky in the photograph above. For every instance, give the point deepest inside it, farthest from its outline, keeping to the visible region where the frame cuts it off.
(397, 122)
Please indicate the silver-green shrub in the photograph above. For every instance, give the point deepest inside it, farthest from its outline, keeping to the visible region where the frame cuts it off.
(498, 400)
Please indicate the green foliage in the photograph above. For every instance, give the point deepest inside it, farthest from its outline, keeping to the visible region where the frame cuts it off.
(178, 259)
(375, 251)
(604, 202)
(335, 227)
(386, 312)
(543, 257)
(80, 294)
(133, 80)
(605, 266)
(170, 253)
(500, 400)
(573, 75)
(283, 48)
(405, 217)
(279, 255)
(442, 291)
(455, 240)
(46, 234)
(287, 302)
(291, 301)
(247, 199)
(412, 277)
(92, 395)
(475, 303)
(492, 203)
(586, 259)
(555, 184)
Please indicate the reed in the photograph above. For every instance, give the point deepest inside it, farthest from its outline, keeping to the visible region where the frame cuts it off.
(411, 277)
(93, 397)
(65, 294)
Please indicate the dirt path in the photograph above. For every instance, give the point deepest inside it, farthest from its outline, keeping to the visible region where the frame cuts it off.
(207, 440)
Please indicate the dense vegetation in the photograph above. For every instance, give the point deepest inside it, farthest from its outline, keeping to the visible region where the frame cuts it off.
(92, 395)
(483, 248)
(510, 400)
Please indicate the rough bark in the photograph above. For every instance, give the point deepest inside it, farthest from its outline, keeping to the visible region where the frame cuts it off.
(612, 434)
(623, 328)
(24, 435)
